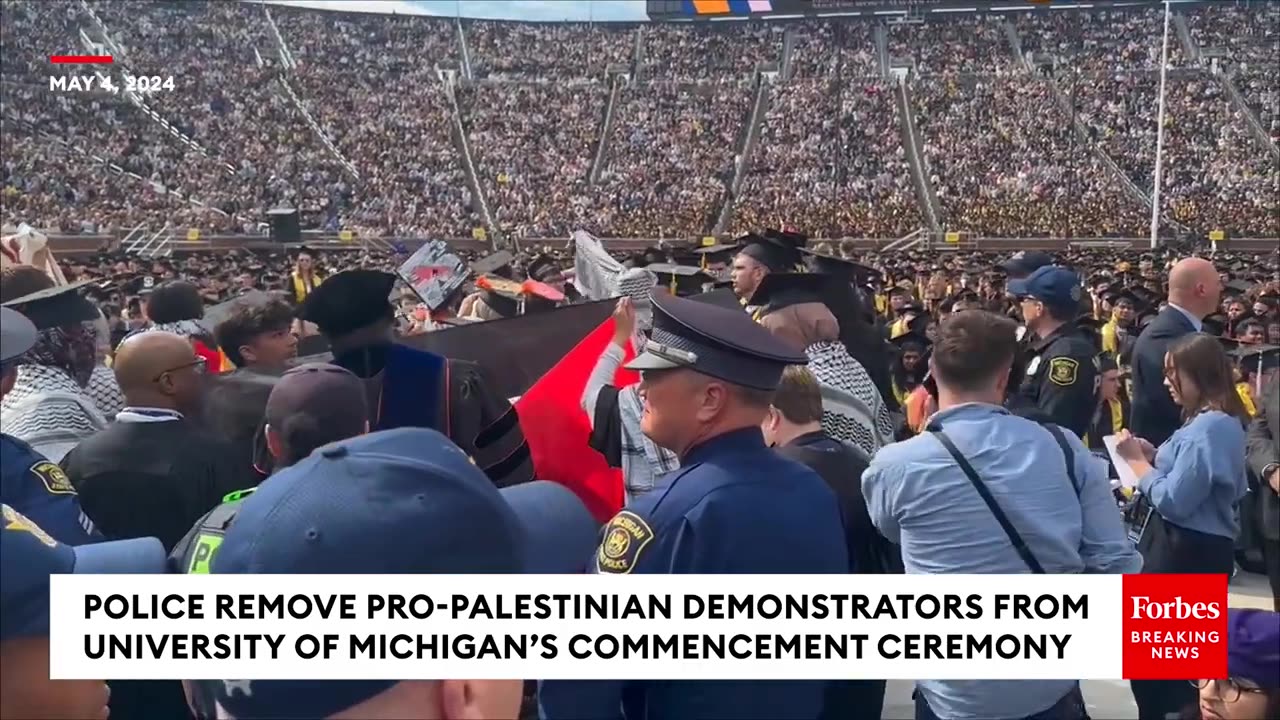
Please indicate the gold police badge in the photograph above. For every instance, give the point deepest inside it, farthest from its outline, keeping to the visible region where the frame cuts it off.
(624, 538)
(1063, 370)
(54, 479)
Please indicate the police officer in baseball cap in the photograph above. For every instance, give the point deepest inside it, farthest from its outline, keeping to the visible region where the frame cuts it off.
(403, 501)
(29, 556)
(1061, 373)
(708, 375)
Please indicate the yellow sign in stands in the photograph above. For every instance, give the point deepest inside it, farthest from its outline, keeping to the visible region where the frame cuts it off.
(1217, 235)
(708, 241)
(952, 237)
(346, 235)
(193, 233)
(479, 234)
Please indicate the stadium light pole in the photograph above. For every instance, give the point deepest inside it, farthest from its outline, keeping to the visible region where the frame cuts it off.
(1155, 188)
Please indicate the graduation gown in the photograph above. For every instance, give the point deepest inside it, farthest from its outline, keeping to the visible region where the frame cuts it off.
(412, 388)
(1110, 418)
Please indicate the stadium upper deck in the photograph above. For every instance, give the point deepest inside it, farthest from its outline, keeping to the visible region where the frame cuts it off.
(1003, 124)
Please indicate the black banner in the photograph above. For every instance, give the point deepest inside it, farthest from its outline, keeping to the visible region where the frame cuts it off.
(515, 351)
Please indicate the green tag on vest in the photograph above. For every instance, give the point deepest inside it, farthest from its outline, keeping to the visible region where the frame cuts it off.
(237, 495)
(206, 546)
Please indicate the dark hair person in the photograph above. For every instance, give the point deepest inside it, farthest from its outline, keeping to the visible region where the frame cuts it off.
(1196, 477)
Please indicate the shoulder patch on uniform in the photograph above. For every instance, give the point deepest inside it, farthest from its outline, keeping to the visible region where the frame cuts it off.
(1063, 371)
(54, 479)
(624, 538)
(17, 522)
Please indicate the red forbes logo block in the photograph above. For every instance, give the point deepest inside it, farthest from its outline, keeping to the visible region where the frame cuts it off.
(1175, 627)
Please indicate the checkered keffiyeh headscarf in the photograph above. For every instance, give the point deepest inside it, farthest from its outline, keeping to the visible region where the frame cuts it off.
(637, 284)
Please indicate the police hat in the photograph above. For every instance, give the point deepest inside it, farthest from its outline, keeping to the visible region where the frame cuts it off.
(55, 306)
(17, 335)
(29, 555)
(1056, 287)
(350, 300)
(397, 502)
(715, 341)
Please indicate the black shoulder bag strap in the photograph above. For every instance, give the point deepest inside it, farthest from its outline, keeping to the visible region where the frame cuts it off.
(1019, 545)
(1067, 455)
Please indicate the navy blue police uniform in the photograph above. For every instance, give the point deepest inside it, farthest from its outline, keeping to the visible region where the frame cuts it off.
(29, 482)
(734, 506)
(1061, 377)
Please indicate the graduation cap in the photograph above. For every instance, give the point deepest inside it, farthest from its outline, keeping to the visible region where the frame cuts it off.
(1256, 358)
(680, 279)
(1238, 287)
(1107, 362)
(715, 254)
(1213, 324)
(912, 340)
(1118, 294)
(349, 300)
(775, 250)
(214, 316)
(501, 295)
(847, 270)
(899, 290)
(55, 306)
(779, 289)
(542, 268)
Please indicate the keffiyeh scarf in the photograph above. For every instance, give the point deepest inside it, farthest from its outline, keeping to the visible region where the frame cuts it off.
(852, 409)
(48, 410)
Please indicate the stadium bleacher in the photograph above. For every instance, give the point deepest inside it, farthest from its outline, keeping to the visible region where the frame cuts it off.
(418, 126)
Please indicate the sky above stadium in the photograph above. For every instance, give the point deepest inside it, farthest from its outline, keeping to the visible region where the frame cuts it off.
(529, 10)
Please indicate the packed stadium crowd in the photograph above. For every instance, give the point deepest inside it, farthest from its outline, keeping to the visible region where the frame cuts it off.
(396, 131)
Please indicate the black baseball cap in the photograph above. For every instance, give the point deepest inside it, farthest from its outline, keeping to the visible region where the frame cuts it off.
(317, 403)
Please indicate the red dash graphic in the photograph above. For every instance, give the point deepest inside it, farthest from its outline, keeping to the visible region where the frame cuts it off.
(80, 59)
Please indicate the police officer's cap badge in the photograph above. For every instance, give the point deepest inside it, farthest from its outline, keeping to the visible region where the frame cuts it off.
(1063, 371)
(624, 538)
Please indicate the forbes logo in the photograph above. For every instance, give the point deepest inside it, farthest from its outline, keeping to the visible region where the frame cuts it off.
(1144, 608)
(1175, 626)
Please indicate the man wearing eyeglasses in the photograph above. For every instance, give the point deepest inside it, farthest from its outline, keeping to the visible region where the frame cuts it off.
(153, 473)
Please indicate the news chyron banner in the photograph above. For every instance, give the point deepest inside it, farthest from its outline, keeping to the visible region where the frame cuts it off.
(695, 9)
(595, 627)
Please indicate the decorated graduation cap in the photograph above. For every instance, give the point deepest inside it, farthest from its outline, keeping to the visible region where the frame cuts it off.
(501, 295)
(680, 279)
(774, 249)
(55, 306)
(349, 301)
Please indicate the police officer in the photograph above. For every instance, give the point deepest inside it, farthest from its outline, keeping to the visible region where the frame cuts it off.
(29, 482)
(1061, 373)
(310, 405)
(707, 376)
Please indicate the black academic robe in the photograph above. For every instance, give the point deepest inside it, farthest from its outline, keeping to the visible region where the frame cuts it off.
(1104, 421)
(412, 388)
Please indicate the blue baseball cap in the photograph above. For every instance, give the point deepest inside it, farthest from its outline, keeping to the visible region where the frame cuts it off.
(1052, 285)
(29, 555)
(403, 501)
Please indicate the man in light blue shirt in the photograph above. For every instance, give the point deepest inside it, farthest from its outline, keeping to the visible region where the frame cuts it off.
(918, 497)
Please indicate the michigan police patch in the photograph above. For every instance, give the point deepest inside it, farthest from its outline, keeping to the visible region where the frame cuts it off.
(1063, 371)
(624, 538)
(55, 481)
